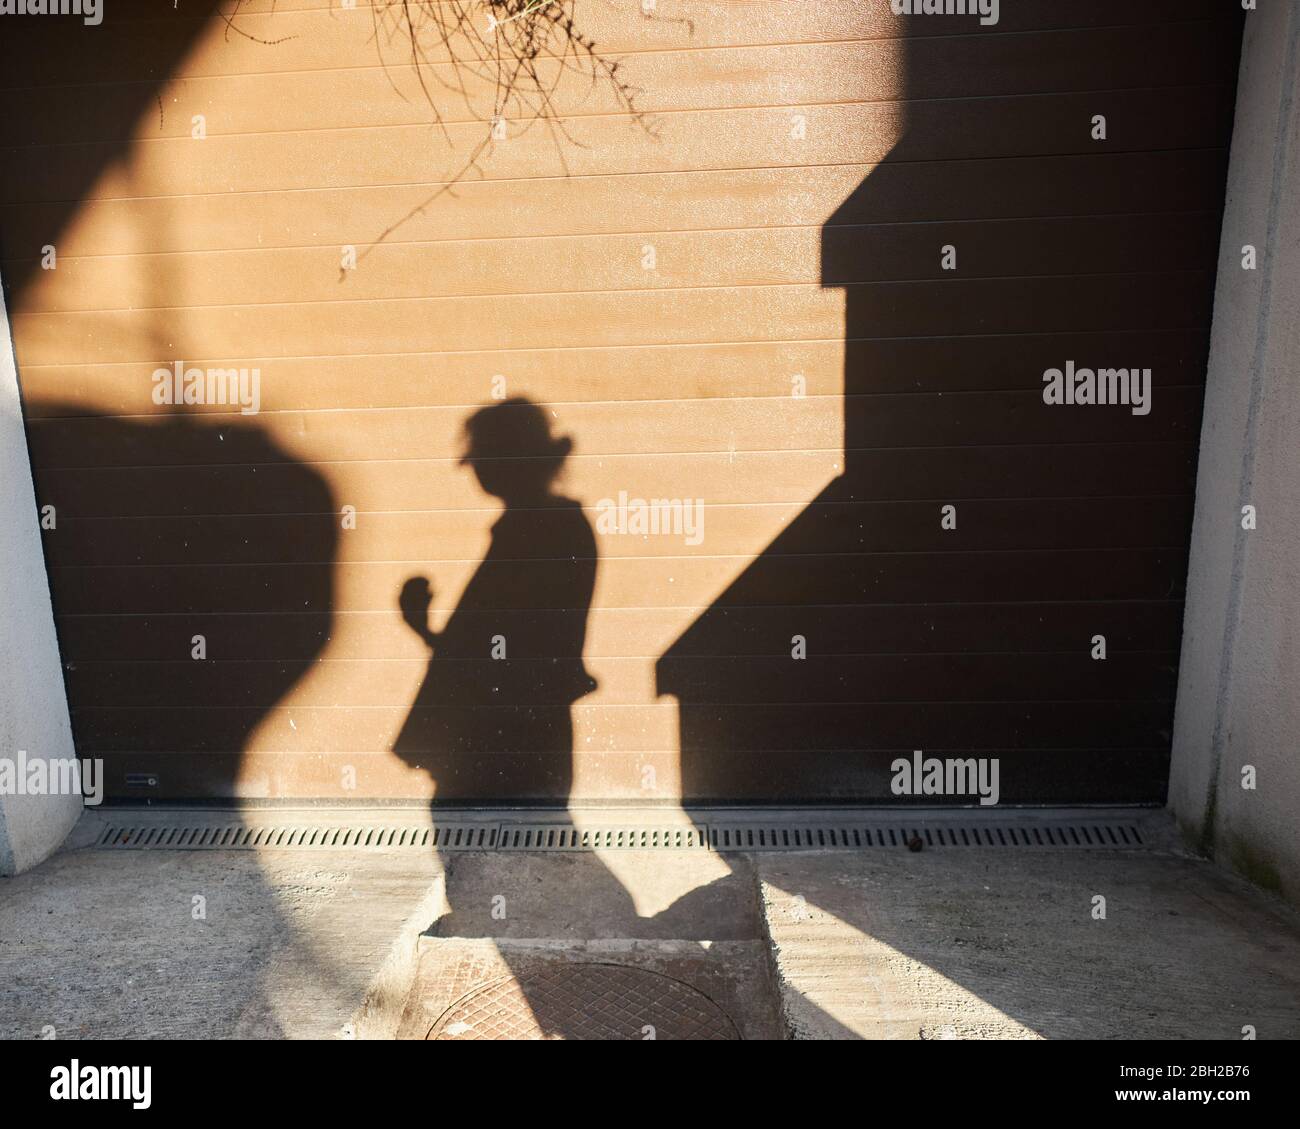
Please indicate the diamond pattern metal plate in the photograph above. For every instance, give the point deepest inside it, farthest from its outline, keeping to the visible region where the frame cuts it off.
(584, 1001)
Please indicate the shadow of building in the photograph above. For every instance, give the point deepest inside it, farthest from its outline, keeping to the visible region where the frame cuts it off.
(951, 584)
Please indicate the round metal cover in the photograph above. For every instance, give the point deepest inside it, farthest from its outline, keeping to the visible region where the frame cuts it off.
(585, 1001)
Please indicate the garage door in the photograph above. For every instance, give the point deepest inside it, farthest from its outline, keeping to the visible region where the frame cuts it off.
(617, 401)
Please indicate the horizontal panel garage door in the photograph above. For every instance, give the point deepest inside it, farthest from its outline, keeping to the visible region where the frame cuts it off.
(616, 401)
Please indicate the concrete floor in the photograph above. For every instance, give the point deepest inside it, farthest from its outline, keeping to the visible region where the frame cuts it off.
(1005, 945)
(877, 944)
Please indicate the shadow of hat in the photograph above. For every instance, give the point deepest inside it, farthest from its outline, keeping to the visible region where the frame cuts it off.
(512, 429)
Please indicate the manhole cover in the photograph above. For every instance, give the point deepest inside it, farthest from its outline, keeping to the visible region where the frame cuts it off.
(585, 1001)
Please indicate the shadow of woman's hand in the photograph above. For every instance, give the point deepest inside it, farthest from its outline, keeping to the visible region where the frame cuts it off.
(415, 600)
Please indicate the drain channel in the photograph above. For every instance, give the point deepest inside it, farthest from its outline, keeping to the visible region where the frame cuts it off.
(238, 837)
(1041, 832)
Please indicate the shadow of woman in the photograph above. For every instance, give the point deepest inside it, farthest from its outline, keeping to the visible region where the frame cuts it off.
(492, 721)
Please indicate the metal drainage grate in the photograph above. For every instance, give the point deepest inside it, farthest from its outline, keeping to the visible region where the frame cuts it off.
(566, 837)
(1088, 835)
(749, 835)
(236, 837)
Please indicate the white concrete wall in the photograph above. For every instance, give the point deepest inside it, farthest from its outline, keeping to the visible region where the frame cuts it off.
(1239, 684)
(33, 705)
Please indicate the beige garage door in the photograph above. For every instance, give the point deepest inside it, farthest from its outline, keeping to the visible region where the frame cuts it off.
(504, 402)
